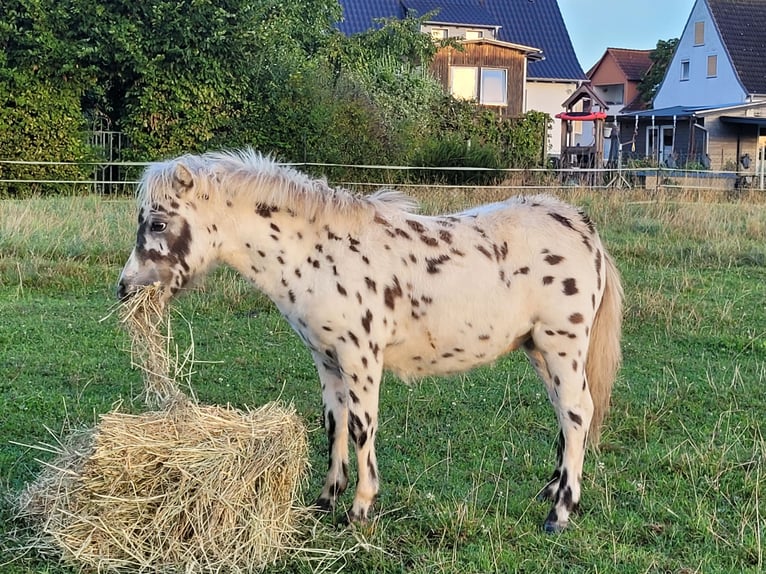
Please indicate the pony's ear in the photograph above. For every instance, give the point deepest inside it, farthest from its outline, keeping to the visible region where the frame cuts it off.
(183, 180)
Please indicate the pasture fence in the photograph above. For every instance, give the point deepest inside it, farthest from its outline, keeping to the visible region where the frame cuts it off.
(120, 177)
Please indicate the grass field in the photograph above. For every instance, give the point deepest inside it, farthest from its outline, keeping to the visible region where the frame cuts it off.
(679, 484)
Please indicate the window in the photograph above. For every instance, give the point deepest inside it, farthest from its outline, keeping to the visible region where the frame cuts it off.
(463, 82)
(699, 33)
(493, 87)
(439, 33)
(474, 34)
(488, 86)
(684, 70)
(712, 66)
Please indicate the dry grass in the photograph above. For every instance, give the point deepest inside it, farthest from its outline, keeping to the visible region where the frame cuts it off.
(144, 317)
(188, 488)
(194, 488)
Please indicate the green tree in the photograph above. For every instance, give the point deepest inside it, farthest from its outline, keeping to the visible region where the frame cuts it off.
(183, 75)
(652, 78)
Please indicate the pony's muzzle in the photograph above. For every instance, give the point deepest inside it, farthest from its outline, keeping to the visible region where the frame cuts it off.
(129, 285)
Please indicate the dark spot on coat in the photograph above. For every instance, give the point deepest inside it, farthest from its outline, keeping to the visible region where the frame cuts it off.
(416, 226)
(433, 263)
(576, 318)
(484, 251)
(547, 280)
(371, 285)
(341, 289)
(570, 286)
(575, 418)
(565, 221)
(367, 321)
(553, 259)
(265, 210)
(391, 292)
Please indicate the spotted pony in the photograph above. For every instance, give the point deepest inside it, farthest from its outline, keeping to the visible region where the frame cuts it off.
(369, 284)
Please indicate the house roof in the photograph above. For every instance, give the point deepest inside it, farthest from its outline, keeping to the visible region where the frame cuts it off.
(741, 24)
(532, 54)
(455, 12)
(633, 63)
(672, 111)
(537, 23)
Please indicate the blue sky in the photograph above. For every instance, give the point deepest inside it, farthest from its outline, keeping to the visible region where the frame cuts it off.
(595, 25)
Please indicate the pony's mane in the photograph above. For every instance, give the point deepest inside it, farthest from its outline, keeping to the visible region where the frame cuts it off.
(264, 180)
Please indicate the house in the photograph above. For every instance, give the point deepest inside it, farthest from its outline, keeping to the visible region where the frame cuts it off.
(616, 76)
(495, 33)
(710, 109)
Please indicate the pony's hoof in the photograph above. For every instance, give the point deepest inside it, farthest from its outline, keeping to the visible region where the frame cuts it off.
(323, 505)
(552, 524)
(356, 518)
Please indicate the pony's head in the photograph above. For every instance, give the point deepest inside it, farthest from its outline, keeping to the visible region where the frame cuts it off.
(168, 249)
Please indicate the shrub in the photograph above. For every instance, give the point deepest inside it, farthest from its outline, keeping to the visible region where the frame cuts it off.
(40, 120)
(453, 151)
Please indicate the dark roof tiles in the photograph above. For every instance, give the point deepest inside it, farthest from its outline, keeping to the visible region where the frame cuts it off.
(452, 12)
(536, 23)
(742, 25)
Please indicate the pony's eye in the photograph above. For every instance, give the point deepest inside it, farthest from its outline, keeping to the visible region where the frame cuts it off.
(158, 226)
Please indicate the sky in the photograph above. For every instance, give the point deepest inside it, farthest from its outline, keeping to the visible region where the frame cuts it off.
(595, 25)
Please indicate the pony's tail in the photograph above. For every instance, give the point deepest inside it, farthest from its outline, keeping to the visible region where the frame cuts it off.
(604, 353)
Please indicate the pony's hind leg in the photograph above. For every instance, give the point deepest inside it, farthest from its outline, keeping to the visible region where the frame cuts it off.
(335, 400)
(364, 383)
(559, 360)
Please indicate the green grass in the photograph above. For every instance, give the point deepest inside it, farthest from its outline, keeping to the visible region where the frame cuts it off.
(678, 485)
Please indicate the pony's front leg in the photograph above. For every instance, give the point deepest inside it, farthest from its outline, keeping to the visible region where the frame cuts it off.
(335, 414)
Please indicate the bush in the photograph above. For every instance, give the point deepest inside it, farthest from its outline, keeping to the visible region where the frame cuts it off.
(452, 151)
(40, 121)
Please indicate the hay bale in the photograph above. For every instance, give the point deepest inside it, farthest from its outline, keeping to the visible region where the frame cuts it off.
(190, 489)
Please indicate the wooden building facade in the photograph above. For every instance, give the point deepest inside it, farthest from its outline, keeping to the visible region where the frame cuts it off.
(491, 72)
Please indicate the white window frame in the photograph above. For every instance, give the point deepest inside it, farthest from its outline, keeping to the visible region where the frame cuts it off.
(474, 34)
(685, 70)
(472, 83)
(502, 100)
